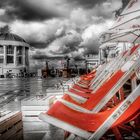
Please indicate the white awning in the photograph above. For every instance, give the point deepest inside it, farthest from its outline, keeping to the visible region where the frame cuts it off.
(129, 35)
(127, 26)
(108, 44)
(128, 21)
(130, 17)
(133, 6)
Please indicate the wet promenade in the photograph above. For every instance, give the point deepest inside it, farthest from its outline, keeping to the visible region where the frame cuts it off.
(12, 91)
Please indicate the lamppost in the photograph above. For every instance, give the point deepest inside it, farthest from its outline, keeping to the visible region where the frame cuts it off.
(86, 66)
(76, 67)
(47, 68)
(67, 64)
(106, 53)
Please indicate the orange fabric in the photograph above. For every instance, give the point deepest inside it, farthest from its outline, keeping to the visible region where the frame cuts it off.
(80, 88)
(130, 113)
(90, 122)
(84, 82)
(83, 94)
(95, 97)
(101, 88)
(91, 73)
(67, 97)
(133, 49)
(88, 77)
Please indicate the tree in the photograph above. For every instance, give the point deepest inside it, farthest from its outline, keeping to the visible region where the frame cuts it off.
(5, 29)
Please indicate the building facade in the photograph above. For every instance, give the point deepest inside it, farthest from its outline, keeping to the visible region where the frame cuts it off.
(13, 55)
(92, 61)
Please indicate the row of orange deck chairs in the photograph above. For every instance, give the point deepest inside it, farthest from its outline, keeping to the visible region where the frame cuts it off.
(96, 106)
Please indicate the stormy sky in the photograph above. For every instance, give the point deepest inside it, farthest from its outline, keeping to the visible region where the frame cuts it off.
(60, 27)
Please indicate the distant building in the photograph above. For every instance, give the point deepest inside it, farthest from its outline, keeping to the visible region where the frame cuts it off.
(13, 54)
(109, 51)
(92, 60)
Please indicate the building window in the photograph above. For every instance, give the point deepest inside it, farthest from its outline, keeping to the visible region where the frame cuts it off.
(26, 57)
(19, 60)
(1, 49)
(10, 59)
(10, 49)
(19, 50)
(1, 59)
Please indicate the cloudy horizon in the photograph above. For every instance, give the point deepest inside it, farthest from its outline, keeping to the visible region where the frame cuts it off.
(60, 27)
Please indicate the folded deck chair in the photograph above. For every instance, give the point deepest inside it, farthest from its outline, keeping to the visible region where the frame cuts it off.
(97, 101)
(95, 97)
(86, 79)
(109, 66)
(98, 75)
(76, 89)
(93, 125)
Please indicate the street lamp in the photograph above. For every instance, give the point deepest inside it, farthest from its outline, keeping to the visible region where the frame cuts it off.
(67, 65)
(47, 66)
(86, 66)
(77, 71)
(106, 53)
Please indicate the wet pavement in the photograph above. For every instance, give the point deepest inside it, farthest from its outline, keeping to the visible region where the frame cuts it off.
(12, 91)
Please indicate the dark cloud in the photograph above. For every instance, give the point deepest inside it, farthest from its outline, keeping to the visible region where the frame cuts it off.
(125, 2)
(27, 13)
(23, 9)
(91, 46)
(66, 44)
(44, 43)
(37, 45)
(91, 3)
(20, 9)
(45, 24)
(87, 3)
(41, 56)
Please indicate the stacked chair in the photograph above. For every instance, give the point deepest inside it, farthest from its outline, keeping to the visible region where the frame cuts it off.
(97, 106)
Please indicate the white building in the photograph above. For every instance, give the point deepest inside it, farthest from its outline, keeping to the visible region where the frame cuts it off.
(13, 54)
(92, 60)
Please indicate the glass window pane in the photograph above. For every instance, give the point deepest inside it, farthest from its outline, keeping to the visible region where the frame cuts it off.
(26, 56)
(1, 59)
(19, 50)
(1, 49)
(10, 49)
(19, 60)
(10, 59)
